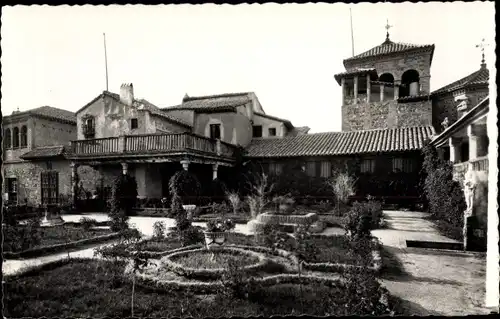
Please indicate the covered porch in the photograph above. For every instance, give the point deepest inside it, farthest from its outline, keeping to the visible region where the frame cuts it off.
(152, 159)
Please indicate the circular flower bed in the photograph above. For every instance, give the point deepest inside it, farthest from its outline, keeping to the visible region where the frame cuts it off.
(198, 263)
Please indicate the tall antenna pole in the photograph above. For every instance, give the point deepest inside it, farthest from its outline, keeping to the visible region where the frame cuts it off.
(106, 60)
(352, 33)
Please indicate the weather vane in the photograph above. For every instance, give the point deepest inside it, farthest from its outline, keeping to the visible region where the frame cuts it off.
(482, 45)
(387, 27)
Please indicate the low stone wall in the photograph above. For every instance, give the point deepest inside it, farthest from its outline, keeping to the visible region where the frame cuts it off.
(267, 218)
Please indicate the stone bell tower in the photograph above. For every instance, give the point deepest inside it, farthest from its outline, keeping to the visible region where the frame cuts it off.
(387, 86)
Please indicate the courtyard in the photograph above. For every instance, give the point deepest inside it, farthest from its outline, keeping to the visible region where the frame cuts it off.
(418, 279)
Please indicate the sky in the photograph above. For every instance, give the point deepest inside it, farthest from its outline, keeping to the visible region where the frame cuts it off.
(286, 54)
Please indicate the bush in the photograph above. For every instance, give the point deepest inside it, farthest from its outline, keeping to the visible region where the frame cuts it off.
(444, 195)
(122, 202)
(22, 237)
(217, 190)
(159, 229)
(342, 186)
(219, 209)
(88, 223)
(358, 221)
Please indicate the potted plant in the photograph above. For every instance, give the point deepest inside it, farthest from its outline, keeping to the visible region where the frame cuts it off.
(215, 233)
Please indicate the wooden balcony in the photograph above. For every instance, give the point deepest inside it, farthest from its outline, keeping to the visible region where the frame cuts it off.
(153, 144)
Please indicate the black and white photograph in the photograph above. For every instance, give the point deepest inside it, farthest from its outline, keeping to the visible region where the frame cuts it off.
(235, 160)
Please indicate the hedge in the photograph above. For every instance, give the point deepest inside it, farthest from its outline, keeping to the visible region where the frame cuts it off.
(41, 251)
(211, 273)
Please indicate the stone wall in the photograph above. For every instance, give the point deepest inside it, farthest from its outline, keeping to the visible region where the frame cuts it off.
(445, 106)
(387, 114)
(28, 176)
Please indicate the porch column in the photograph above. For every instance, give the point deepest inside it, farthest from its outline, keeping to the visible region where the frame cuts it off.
(382, 88)
(74, 182)
(474, 140)
(214, 170)
(355, 89)
(342, 83)
(368, 88)
(455, 155)
(396, 91)
(185, 165)
(124, 168)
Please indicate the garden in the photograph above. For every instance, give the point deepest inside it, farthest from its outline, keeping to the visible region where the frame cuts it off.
(190, 271)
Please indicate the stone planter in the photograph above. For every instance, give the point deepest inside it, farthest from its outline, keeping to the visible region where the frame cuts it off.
(214, 239)
(189, 210)
(285, 208)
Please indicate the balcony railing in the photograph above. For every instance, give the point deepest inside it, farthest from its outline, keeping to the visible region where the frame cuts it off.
(478, 164)
(152, 143)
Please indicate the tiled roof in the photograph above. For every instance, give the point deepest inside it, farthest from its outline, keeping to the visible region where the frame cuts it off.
(287, 122)
(389, 47)
(342, 143)
(45, 152)
(356, 71)
(50, 112)
(221, 102)
(481, 76)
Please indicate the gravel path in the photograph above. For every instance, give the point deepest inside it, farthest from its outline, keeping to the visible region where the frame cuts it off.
(431, 281)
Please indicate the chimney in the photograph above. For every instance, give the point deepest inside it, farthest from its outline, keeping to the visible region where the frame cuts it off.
(127, 93)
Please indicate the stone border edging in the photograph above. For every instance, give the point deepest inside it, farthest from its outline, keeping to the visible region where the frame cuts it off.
(216, 273)
(45, 250)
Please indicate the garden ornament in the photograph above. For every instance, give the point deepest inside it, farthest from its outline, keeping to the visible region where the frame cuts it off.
(469, 187)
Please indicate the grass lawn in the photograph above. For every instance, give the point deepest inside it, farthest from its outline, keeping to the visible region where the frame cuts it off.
(202, 260)
(96, 288)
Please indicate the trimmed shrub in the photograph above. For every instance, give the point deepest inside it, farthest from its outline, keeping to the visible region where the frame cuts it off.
(122, 202)
(185, 185)
(88, 223)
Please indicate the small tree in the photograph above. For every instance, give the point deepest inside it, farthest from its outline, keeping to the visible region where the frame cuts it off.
(260, 194)
(235, 201)
(129, 248)
(342, 185)
(123, 200)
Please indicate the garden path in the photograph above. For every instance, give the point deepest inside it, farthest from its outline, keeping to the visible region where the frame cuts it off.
(430, 281)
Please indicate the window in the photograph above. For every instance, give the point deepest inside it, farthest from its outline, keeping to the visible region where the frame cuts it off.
(15, 138)
(134, 124)
(257, 131)
(215, 131)
(48, 165)
(326, 169)
(7, 138)
(12, 190)
(88, 127)
(402, 165)
(275, 168)
(50, 189)
(24, 136)
(272, 131)
(311, 168)
(368, 166)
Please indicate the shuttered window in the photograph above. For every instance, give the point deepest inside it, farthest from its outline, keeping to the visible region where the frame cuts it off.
(367, 166)
(50, 189)
(326, 169)
(405, 165)
(311, 168)
(275, 168)
(12, 190)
